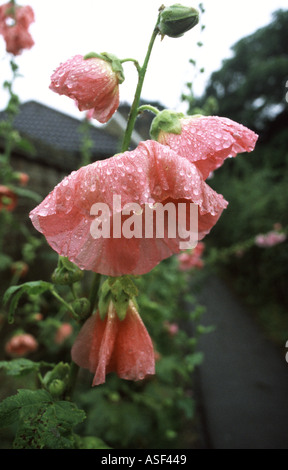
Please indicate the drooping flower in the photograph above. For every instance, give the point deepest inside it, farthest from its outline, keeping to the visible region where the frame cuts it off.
(14, 23)
(114, 345)
(142, 182)
(270, 239)
(93, 83)
(21, 344)
(192, 259)
(8, 199)
(205, 140)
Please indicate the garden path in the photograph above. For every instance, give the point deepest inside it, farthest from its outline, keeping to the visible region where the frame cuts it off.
(243, 380)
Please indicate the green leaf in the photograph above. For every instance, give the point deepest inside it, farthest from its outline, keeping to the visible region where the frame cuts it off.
(24, 192)
(21, 366)
(16, 292)
(42, 422)
(11, 407)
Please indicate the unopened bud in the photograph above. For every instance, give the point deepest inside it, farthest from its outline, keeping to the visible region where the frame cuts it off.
(166, 121)
(66, 272)
(57, 388)
(177, 19)
(81, 307)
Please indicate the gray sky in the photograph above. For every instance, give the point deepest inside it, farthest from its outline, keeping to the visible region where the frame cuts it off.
(64, 28)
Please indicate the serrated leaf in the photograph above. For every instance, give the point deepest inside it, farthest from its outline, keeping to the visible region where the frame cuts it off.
(42, 422)
(11, 407)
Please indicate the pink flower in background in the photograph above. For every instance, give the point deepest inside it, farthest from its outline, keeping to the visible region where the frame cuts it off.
(21, 345)
(14, 23)
(192, 259)
(8, 199)
(149, 175)
(270, 239)
(63, 332)
(92, 83)
(23, 178)
(114, 345)
(208, 140)
(172, 328)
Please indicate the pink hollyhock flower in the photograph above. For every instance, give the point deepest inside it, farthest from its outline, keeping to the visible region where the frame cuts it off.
(149, 175)
(21, 345)
(192, 259)
(270, 239)
(63, 332)
(114, 345)
(92, 83)
(8, 199)
(208, 140)
(14, 23)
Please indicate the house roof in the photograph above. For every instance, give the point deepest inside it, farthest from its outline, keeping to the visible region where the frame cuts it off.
(57, 137)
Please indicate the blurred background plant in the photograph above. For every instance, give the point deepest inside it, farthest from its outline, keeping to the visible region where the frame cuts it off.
(251, 88)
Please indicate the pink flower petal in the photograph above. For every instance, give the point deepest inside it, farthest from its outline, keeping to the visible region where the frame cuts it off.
(16, 36)
(208, 140)
(111, 345)
(91, 83)
(150, 174)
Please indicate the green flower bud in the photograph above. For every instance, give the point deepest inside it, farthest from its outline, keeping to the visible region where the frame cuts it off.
(66, 272)
(81, 307)
(57, 388)
(177, 19)
(166, 121)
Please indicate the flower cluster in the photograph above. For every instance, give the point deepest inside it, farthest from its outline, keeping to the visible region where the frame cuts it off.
(14, 24)
(170, 170)
(270, 239)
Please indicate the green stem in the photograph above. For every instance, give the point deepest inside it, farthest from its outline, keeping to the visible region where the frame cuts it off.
(74, 369)
(134, 108)
(135, 62)
(94, 291)
(69, 308)
(148, 107)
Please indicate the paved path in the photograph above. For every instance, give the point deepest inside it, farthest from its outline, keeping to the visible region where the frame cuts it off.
(243, 380)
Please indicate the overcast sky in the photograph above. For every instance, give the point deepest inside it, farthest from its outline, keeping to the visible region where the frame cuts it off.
(64, 28)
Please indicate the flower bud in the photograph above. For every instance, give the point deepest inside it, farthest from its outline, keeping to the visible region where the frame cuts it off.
(57, 388)
(81, 307)
(66, 272)
(177, 19)
(167, 121)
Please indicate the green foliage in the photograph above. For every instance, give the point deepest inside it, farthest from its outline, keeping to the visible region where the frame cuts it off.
(42, 422)
(250, 88)
(20, 367)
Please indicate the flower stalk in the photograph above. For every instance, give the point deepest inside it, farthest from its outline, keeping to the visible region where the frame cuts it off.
(135, 105)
